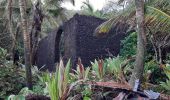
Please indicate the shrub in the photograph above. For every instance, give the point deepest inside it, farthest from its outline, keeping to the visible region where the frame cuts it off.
(81, 73)
(99, 68)
(58, 83)
(129, 45)
(11, 77)
(166, 84)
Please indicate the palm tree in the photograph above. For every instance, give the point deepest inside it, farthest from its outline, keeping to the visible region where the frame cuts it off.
(139, 63)
(36, 29)
(11, 17)
(26, 39)
(157, 18)
(9, 7)
(51, 9)
(46, 16)
(54, 14)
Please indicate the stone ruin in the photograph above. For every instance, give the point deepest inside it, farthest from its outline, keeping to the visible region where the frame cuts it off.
(48, 51)
(75, 39)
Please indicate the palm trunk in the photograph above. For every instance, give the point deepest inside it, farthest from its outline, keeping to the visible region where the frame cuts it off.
(9, 16)
(36, 29)
(26, 39)
(139, 63)
(160, 54)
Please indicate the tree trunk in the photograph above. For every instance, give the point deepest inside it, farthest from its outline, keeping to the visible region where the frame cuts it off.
(160, 54)
(139, 63)
(9, 17)
(26, 39)
(155, 49)
(36, 29)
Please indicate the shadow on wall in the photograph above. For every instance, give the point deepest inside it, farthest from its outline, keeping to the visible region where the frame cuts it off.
(48, 50)
(77, 40)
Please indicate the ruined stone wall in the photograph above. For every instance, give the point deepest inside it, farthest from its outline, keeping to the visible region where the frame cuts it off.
(48, 51)
(69, 40)
(80, 42)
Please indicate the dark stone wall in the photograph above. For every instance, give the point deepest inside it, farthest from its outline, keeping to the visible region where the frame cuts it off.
(69, 40)
(80, 42)
(48, 51)
(42, 53)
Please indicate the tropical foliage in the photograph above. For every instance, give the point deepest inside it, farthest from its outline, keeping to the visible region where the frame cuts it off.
(166, 84)
(9, 74)
(129, 45)
(105, 78)
(156, 13)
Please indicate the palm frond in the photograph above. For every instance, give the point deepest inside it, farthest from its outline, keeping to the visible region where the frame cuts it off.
(104, 27)
(157, 16)
(157, 19)
(124, 17)
(87, 6)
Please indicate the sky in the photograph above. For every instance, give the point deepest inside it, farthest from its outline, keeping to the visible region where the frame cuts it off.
(97, 4)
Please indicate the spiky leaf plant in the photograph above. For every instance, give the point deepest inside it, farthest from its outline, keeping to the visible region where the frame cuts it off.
(81, 73)
(114, 66)
(58, 83)
(99, 68)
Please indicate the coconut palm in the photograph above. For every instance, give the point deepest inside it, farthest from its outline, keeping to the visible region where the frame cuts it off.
(9, 7)
(156, 14)
(26, 39)
(157, 18)
(139, 63)
(14, 17)
(54, 14)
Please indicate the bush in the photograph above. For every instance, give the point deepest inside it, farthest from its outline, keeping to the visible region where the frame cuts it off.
(11, 77)
(129, 45)
(166, 84)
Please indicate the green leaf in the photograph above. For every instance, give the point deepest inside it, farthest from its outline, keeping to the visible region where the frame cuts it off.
(67, 70)
(155, 18)
(87, 72)
(104, 28)
(86, 98)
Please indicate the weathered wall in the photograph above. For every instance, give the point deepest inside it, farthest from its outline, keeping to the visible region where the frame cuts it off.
(41, 55)
(69, 40)
(78, 41)
(48, 51)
